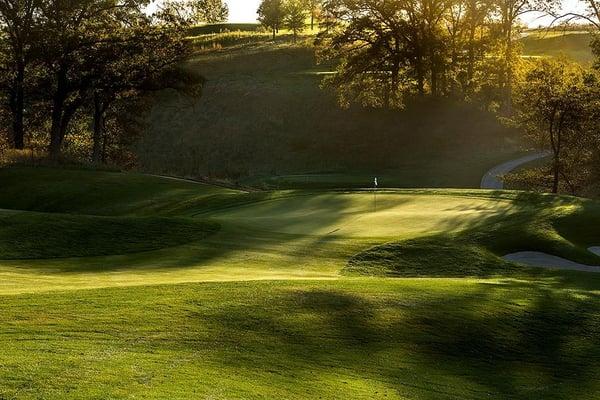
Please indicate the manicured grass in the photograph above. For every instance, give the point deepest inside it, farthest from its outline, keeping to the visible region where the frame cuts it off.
(293, 297)
(359, 339)
(27, 235)
(101, 193)
(560, 226)
(385, 214)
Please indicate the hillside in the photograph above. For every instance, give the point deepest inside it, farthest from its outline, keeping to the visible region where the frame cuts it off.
(556, 43)
(263, 117)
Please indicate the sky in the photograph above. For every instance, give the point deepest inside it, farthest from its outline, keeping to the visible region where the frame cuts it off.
(245, 11)
(242, 10)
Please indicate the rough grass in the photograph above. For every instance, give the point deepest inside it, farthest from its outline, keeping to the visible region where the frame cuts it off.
(224, 28)
(557, 43)
(280, 122)
(284, 132)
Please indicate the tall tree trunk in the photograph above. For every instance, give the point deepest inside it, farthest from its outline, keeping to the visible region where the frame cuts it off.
(555, 143)
(420, 75)
(434, 80)
(104, 146)
(508, 68)
(17, 105)
(55, 128)
(556, 174)
(62, 114)
(98, 134)
(471, 60)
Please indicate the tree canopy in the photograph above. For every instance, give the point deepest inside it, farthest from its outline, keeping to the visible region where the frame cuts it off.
(68, 61)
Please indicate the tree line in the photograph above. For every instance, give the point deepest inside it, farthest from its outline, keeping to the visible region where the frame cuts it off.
(391, 52)
(68, 64)
(288, 14)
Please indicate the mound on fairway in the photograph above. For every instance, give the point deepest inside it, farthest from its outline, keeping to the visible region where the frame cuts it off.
(102, 193)
(29, 235)
(559, 226)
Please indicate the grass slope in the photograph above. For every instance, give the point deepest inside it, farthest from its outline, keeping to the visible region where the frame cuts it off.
(26, 235)
(556, 225)
(101, 193)
(281, 123)
(556, 43)
(266, 308)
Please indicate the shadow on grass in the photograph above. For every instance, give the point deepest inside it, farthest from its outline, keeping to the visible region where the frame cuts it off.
(558, 225)
(510, 341)
(329, 210)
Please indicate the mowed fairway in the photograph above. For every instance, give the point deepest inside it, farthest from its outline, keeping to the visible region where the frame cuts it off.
(292, 294)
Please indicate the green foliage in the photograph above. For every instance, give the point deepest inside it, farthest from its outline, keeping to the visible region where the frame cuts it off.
(557, 106)
(210, 11)
(295, 16)
(271, 14)
(73, 63)
(390, 51)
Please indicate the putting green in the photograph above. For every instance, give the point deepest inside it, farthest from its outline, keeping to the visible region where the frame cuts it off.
(357, 214)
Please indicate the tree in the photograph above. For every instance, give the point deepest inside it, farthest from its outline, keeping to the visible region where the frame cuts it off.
(590, 15)
(294, 16)
(390, 50)
(210, 11)
(271, 14)
(508, 13)
(140, 60)
(18, 20)
(75, 36)
(313, 7)
(556, 104)
(73, 60)
(94, 51)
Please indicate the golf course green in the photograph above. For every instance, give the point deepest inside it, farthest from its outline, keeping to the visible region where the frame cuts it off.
(120, 285)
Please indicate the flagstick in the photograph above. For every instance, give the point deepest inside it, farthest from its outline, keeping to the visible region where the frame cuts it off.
(375, 194)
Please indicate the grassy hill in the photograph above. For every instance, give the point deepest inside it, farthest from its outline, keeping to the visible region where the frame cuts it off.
(292, 294)
(264, 120)
(556, 43)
